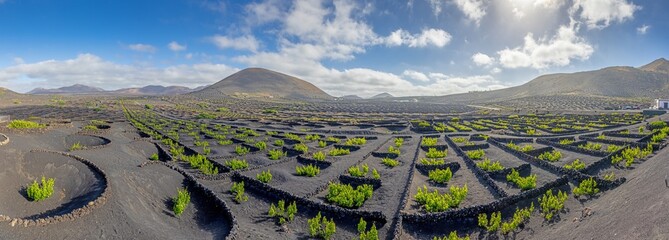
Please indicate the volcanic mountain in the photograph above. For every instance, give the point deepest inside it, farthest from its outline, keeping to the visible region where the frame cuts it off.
(259, 82)
(74, 89)
(651, 80)
(382, 96)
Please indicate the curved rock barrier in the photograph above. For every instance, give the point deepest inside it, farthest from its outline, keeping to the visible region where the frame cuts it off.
(308, 161)
(105, 143)
(473, 211)
(263, 188)
(425, 169)
(357, 181)
(481, 175)
(573, 147)
(75, 213)
(397, 219)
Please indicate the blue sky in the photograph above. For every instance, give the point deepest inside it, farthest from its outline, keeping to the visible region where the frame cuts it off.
(419, 47)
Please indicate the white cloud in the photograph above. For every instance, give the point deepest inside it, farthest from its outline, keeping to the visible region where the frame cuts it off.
(175, 46)
(495, 71)
(436, 6)
(643, 29)
(247, 42)
(473, 9)
(263, 12)
(543, 53)
(600, 13)
(419, 76)
(92, 70)
(481, 59)
(142, 48)
(434, 37)
(550, 4)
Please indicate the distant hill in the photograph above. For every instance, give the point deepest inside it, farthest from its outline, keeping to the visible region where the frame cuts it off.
(259, 82)
(382, 95)
(74, 89)
(6, 93)
(649, 81)
(154, 90)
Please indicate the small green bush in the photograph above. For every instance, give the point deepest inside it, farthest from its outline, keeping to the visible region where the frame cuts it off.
(278, 143)
(261, 145)
(434, 153)
(440, 175)
(225, 142)
(339, 152)
(154, 157)
(318, 156)
(301, 147)
(575, 165)
(489, 166)
(345, 196)
(492, 224)
(566, 141)
(429, 142)
(238, 190)
(524, 183)
(375, 174)
(76, 146)
(181, 201)
(241, 150)
(552, 156)
(519, 217)
(309, 170)
(612, 148)
(476, 154)
(37, 192)
(332, 139)
(394, 150)
(426, 161)
(264, 176)
(436, 202)
(586, 187)
(356, 141)
(459, 140)
(281, 213)
(372, 234)
(320, 227)
(357, 172)
(390, 162)
(322, 144)
(591, 146)
(399, 142)
(236, 164)
(657, 125)
(452, 236)
(552, 204)
(609, 176)
(276, 154)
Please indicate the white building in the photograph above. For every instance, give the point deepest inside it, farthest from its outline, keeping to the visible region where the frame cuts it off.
(661, 104)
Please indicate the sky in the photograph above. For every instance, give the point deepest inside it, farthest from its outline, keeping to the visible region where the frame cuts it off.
(361, 47)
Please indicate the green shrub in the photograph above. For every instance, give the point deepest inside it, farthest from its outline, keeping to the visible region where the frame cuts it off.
(90, 128)
(525, 148)
(339, 152)
(181, 201)
(318, 156)
(293, 137)
(426, 161)
(566, 141)
(492, 224)
(436, 202)
(357, 172)
(459, 140)
(309, 170)
(575, 165)
(591, 146)
(276, 154)
(332, 139)
(390, 162)
(148, 106)
(241, 150)
(476, 154)
(631, 154)
(375, 174)
(399, 142)
(345, 196)
(612, 148)
(202, 163)
(154, 157)
(278, 143)
(261, 145)
(552, 156)
(320, 227)
(301, 147)
(434, 153)
(552, 204)
(238, 190)
(264, 176)
(76, 146)
(201, 143)
(586, 187)
(519, 217)
(524, 183)
(37, 192)
(609, 176)
(657, 125)
(429, 142)
(440, 175)
(322, 144)
(356, 141)
(372, 234)
(282, 213)
(394, 150)
(205, 116)
(452, 236)
(489, 166)
(225, 142)
(236, 164)
(312, 137)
